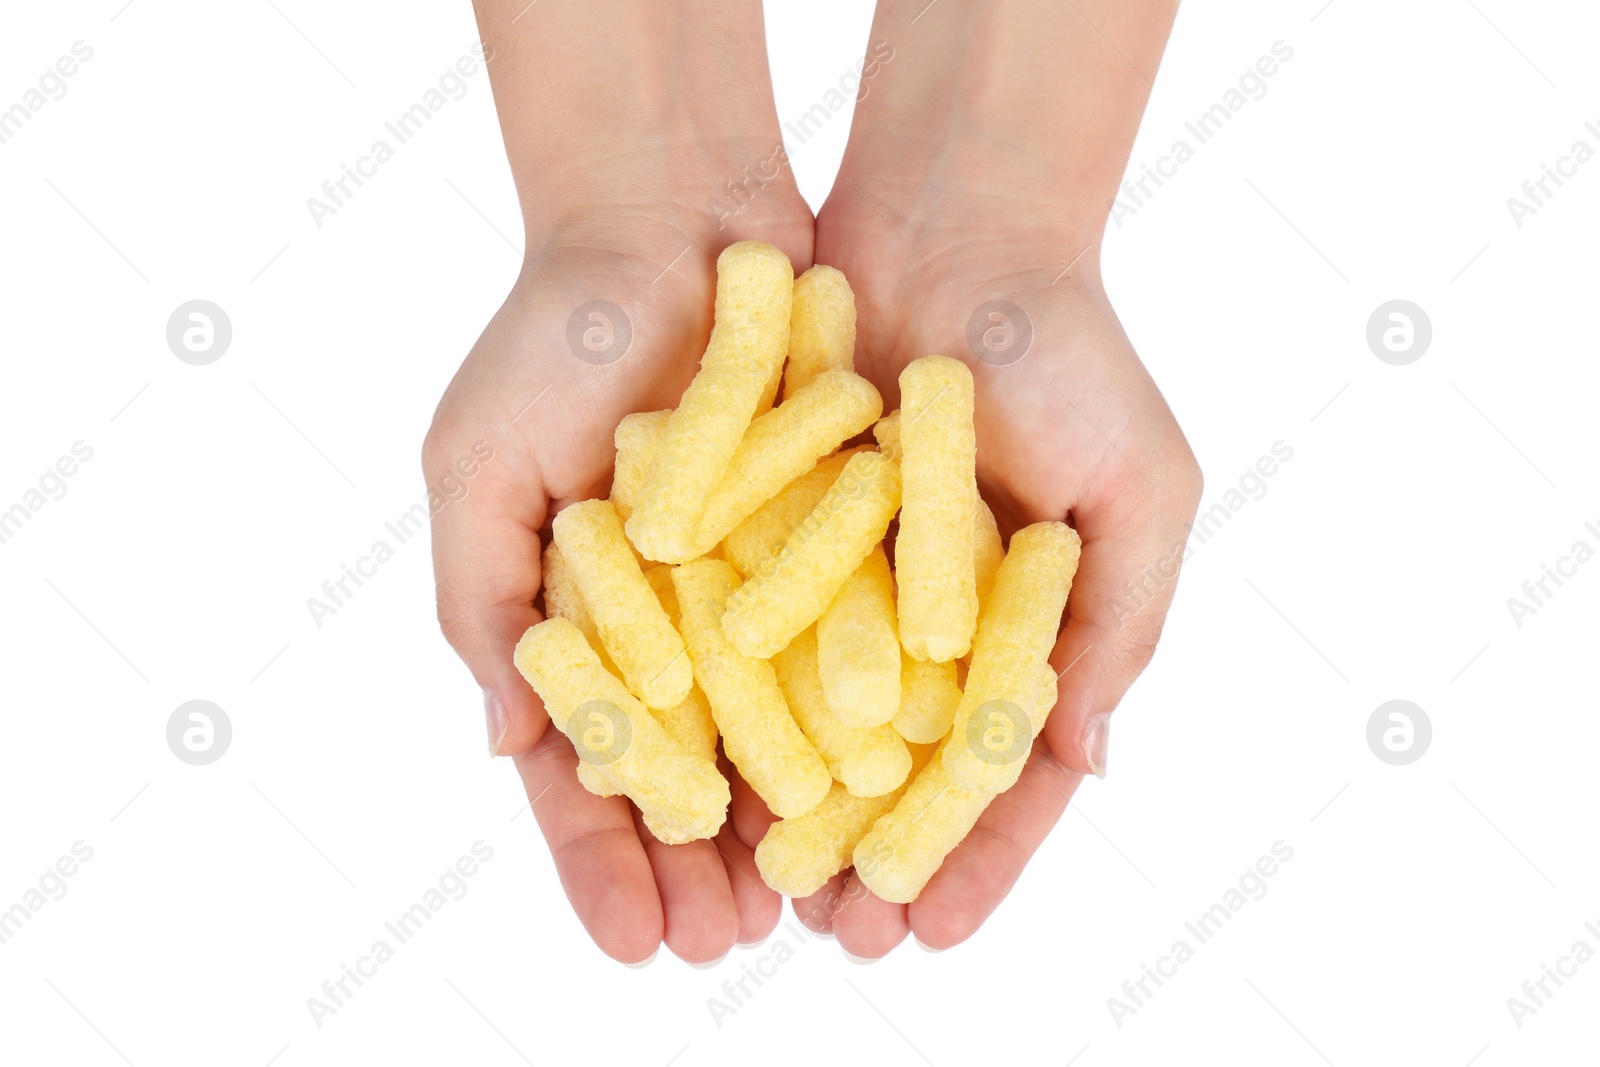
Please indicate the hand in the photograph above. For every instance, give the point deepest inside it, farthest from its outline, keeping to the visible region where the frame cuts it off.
(976, 225)
(546, 385)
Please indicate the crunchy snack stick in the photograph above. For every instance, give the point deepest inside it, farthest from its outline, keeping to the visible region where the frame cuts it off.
(1001, 709)
(638, 438)
(562, 598)
(987, 552)
(794, 587)
(858, 652)
(690, 722)
(755, 286)
(905, 847)
(798, 855)
(886, 431)
(822, 327)
(760, 536)
(682, 796)
(934, 555)
(870, 762)
(758, 732)
(633, 627)
(785, 443)
(928, 698)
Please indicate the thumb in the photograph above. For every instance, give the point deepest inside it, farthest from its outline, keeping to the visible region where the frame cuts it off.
(487, 503)
(1133, 548)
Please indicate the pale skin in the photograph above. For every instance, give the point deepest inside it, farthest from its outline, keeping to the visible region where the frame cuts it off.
(980, 165)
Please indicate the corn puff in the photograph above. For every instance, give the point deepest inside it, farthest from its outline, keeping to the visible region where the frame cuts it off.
(934, 554)
(822, 327)
(858, 652)
(928, 698)
(638, 438)
(690, 722)
(755, 286)
(904, 848)
(1001, 711)
(759, 537)
(785, 443)
(759, 734)
(683, 795)
(798, 855)
(792, 589)
(871, 761)
(633, 628)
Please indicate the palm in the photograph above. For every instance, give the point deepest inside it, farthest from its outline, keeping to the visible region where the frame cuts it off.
(1070, 426)
(546, 384)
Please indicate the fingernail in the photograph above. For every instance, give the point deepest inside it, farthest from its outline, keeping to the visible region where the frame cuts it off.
(925, 948)
(495, 713)
(1096, 736)
(860, 961)
(647, 961)
(709, 964)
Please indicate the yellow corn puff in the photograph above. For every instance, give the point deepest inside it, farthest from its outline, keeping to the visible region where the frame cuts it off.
(928, 698)
(758, 732)
(987, 552)
(798, 855)
(633, 627)
(905, 847)
(869, 762)
(1001, 711)
(822, 327)
(684, 796)
(562, 598)
(638, 438)
(759, 537)
(751, 333)
(858, 652)
(886, 431)
(785, 443)
(690, 722)
(794, 587)
(933, 554)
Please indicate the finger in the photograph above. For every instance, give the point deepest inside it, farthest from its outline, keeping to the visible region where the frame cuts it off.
(486, 504)
(1133, 546)
(816, 911)
(602, 865)
(978, 874)
(759, 907)
(701, 921)
(866, 925)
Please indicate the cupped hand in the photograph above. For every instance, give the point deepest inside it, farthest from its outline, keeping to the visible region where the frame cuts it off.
(1070, 427)
(609, 316)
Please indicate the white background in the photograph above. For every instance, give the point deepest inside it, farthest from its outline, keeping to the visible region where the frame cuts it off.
(1377, 566)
